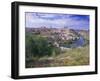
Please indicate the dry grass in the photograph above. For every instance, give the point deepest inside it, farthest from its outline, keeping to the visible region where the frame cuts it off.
(71, 57)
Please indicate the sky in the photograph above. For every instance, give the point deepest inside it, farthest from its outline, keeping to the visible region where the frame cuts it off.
(55, 20)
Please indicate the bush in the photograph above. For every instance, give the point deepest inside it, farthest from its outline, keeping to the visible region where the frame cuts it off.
(39, 46)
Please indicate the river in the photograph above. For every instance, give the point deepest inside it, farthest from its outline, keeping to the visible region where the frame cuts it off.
(76, 43)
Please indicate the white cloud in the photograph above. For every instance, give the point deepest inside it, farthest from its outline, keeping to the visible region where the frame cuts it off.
(33, 21)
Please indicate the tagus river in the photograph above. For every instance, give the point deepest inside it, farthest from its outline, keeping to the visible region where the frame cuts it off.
(76, 43)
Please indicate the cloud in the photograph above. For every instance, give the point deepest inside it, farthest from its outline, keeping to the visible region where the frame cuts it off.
(57, 20)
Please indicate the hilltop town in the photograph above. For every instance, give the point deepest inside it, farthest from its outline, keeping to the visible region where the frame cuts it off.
(55, 33)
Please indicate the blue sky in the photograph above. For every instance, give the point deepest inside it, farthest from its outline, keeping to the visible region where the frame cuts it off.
(55, 20)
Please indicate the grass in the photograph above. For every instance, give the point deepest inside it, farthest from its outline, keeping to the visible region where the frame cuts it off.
(76, 56)
(70, 57)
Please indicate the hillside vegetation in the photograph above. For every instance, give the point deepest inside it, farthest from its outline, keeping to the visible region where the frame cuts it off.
(45, 47)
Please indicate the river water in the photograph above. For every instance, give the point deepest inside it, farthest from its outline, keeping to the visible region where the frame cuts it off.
(77, 43)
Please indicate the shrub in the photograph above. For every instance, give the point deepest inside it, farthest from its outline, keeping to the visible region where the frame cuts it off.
(39, 46)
